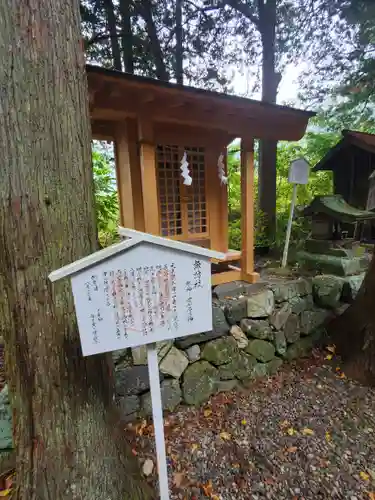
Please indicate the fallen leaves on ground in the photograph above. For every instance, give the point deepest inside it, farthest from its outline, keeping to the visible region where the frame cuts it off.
(292, 449)
(307, 429)
(363, 475)
(180, 479)
(207, 490)
(7, 481)
(225, 436)
(307, 432)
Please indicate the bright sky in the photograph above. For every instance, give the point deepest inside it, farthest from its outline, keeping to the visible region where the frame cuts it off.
(288, 88)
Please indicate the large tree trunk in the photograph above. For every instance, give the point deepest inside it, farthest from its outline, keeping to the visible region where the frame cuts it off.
(127, 36)
(179, 58)
(145, 9)
(111, 22)
(66, 438)
(354, 332)
(265, 22)
(268, 149)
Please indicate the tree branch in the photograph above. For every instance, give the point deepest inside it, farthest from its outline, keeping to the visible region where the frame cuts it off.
(244, 10)
(100, 38)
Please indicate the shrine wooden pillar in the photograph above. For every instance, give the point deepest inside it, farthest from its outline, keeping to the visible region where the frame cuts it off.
(125, 163)
(217, 201)
(247, 211)
(147, 156)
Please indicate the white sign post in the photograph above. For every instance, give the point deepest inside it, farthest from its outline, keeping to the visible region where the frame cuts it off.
(298, 174)
(141, 291)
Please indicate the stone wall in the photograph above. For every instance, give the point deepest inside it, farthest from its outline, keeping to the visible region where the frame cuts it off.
(256, 328)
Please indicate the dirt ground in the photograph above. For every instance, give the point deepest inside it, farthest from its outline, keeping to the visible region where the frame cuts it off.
(306, 433)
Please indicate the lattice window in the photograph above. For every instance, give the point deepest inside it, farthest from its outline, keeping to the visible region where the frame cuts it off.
(183, 209)
(196, 207)
(168, 168)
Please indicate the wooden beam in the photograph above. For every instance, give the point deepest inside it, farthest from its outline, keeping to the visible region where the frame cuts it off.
(230, 256)
(103, 130)
(148, 176)
(225, 277)
(124, 159)
(247, 208)
(233, 125)
(183, 135)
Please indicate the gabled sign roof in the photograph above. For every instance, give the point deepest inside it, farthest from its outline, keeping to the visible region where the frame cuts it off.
(172, 244)
(135, 238)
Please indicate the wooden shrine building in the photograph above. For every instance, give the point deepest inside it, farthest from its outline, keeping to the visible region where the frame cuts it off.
(352, 161)
(154, 125)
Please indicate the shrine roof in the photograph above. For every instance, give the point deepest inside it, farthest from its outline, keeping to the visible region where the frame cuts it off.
(115, 95)
(134, 238)
(350, 139)
(336, 207)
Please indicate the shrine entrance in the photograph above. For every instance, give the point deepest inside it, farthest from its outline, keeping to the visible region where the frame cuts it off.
(183, 208)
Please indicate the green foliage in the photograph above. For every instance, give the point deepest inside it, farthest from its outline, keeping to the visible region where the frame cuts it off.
(312, 148)
(106, 199)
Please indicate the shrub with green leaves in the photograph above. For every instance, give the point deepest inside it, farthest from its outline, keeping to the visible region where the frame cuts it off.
(106, 198)
(312, 148)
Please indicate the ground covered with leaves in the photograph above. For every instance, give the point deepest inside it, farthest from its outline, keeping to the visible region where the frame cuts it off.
(306, 433)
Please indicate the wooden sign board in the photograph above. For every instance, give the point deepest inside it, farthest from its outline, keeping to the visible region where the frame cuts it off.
(140, 291)
(299, 172)
(142, 296)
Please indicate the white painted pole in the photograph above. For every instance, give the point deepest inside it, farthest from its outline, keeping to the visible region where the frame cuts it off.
(289, 228)
(157, 415)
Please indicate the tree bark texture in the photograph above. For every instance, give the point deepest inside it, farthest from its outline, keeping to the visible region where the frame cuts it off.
(68, 444)
(354, 332)
(111, 22)
(127, 36)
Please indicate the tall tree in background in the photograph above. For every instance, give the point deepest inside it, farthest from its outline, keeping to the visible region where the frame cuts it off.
(199, 42)
(65, 423)
(340, 75)
(127, 35)
(112, 30)
(262, 14)
(278, 32)
(179, 63)
(159, 37)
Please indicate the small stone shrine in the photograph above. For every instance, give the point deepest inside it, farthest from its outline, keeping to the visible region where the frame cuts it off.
(329, 249)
